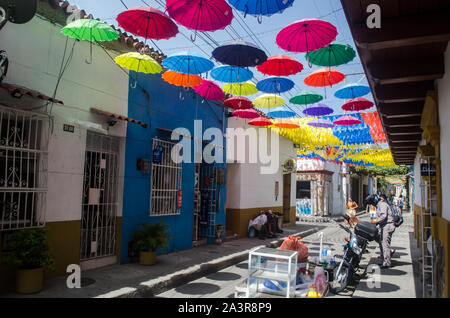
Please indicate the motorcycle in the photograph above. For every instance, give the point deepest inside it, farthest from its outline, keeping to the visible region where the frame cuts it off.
(364, 233)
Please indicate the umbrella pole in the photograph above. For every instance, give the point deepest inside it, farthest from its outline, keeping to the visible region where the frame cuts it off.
(90, 46)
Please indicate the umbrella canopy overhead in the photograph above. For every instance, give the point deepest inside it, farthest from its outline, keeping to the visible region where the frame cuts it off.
(90, 30)
(200, 15)
(351, 91)
(239, 53)
(180, 79)
(286, 123)
(148, 23)
(238, 102)
(246, 88)
(246, 113)
(210, 90)
(275, 85)
(261, 122)
(332, 55)
(306, 35)
(318, 110)
(281, 113)
(357, 104)
(280, 65)
(261, 7)
(321, 123)
(268, 101)
(188, 63)
(324, 77)
(306, 98)
(347, 120)
(137, 62)
(231, 74)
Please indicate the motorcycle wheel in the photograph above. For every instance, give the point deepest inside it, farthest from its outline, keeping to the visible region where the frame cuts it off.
(340, 279)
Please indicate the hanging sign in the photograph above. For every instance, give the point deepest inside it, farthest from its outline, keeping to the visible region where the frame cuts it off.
(289, 166)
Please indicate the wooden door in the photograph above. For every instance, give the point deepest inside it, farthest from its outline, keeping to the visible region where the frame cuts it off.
(286, 198)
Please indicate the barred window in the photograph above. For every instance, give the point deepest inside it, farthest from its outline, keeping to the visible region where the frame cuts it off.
(165, 180)
(23, 169)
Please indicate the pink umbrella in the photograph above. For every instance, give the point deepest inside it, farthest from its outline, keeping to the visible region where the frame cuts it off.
(210, 90)
(306, 35)
(347, 120)
(246, 113)
(357, 104)
(200, 15)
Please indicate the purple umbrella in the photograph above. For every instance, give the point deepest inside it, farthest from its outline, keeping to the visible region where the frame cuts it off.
(321, 123)
(318, 110)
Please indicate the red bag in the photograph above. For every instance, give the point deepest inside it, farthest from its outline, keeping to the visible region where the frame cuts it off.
(292, 243)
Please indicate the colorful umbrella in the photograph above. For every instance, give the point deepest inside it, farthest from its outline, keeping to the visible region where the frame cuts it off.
(324, 77)
(306, 98)
(332, 55)
(200, 15)
(261, 122)
(188, 63)
(90, 30)
(347, 120)
(239, 53)
(268, 101)
(306, 35)
(246, 113)
(259, 8)
(281, 113)
(357, 104)
(247, 88)
(318, 110)
(180, 79)
(148, 23)
(238, 102)
(138, 62)
(231, 74)
(280, 65)
(275, 85)
(321, 123)
(287, 124)
(351, 91)
(210, 90)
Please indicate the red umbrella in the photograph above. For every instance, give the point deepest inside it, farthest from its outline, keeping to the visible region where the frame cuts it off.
(238, 102)
(261, 122)
(148, 23)
(280, 65)
(357, 104)
(246, 113)
(347, 120)
(210, 90)
(200, 15)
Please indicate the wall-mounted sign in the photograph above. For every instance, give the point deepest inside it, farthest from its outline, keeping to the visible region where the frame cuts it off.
(289, 166)
(69, 128)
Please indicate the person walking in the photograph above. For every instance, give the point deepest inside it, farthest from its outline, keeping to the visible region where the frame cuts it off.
(351, 212)
(400, 204)
(386, 227)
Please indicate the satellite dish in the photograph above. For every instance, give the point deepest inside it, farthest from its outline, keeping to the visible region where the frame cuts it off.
(17, 11)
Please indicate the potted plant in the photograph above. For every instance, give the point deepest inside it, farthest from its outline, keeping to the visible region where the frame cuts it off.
(29, 250)
(150, 238)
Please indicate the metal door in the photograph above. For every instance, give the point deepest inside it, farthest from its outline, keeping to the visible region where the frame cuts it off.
(99, 206)
(209, 202)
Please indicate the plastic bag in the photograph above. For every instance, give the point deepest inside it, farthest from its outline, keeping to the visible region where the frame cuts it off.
(292, 243)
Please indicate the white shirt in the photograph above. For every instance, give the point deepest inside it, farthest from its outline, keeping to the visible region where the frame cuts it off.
(261, 219)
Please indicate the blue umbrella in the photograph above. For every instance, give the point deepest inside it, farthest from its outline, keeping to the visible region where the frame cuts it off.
(261, 7)
(352, 91)
(231, 74)
(239, 53)
(188, 63)
(275, 85)
(281, 112)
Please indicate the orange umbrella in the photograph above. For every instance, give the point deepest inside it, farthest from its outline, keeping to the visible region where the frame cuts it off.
(181, 79)
(286, 123)
(324, 77)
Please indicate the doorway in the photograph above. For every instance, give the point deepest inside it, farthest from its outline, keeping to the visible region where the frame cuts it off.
(286, 198)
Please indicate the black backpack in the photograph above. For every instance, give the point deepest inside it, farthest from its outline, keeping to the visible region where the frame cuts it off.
(398, 218)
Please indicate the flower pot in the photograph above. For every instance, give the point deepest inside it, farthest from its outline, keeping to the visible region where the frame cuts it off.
(147, 258)
(29, 281)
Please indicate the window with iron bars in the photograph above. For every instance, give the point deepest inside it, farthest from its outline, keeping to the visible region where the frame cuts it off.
(23, 169)
(165, 179)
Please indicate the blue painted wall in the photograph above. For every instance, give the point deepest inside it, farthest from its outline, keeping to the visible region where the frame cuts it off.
(162, 108)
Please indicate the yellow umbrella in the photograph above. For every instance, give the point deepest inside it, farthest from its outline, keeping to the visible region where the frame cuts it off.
(137, 62)
(246, 88)
(268, 101)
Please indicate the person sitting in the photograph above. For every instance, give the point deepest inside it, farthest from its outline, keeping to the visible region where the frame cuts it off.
(271, 224)
(260, 225)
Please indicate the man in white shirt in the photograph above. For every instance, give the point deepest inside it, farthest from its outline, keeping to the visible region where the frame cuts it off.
(260, 224)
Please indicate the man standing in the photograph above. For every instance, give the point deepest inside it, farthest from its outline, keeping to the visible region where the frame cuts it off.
(385, 224)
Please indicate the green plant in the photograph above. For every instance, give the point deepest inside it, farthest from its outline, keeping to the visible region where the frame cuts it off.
(152, 236)
(29, 249)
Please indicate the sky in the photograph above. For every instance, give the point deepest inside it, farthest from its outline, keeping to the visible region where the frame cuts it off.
(266, 32)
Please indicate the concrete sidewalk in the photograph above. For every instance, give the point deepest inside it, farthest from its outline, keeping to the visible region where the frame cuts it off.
(170, 271)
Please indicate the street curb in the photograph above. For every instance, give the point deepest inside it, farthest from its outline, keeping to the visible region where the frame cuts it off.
(162, 284)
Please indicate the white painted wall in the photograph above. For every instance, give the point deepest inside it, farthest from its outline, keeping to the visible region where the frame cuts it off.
(443, 86)
(35, 52)
(417, 182)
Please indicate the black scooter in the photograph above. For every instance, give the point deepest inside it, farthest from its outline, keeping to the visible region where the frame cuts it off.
(365, 232)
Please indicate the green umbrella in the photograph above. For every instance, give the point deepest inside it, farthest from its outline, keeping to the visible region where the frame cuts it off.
(333, 55)
(90, 30)
(305, 98)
